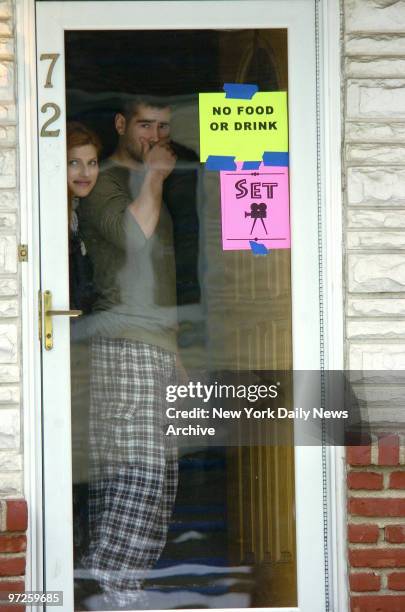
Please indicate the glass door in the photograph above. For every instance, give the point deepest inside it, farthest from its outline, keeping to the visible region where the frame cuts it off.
(137, 110)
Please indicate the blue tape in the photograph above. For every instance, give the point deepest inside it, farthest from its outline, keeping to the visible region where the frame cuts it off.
(220, 162)
(241, 91)
(251, 165)
(271, 158)
(258, 248)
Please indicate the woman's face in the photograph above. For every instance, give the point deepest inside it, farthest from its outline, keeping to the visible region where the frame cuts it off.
(82, 169)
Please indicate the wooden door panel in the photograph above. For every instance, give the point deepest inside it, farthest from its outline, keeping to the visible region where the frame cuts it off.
(261, 520)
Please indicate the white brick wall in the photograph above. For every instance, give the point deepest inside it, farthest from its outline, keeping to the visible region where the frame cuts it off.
(374, 173)
(374, 168)
(10, 418)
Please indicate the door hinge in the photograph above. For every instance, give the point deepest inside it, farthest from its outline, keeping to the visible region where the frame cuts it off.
(23, 252)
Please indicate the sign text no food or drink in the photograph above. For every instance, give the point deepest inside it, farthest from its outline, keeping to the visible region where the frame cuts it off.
(243, 129)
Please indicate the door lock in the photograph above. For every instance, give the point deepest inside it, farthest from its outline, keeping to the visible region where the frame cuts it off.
(49, 313)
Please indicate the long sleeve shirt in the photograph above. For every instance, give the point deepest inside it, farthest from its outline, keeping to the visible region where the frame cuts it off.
(134, 276)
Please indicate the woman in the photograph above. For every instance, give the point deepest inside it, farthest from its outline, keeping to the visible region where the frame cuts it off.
(83, 151)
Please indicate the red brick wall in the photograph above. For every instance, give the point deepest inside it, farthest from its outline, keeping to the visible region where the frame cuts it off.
(376, 525)
(13, 543)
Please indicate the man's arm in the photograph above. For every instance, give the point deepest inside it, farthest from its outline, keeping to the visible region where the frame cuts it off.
(159, 162)
(106, 210)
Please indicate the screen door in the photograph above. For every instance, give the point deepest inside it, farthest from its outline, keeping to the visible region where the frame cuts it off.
(240, 298)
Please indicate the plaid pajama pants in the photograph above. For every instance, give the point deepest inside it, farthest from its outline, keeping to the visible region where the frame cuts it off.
(133, 465)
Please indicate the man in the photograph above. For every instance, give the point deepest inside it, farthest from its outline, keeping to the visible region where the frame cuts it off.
(133, 473)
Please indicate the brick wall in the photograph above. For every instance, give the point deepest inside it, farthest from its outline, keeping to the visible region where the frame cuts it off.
(10, 425)
(13, 513)
(374, 196)
(374, 176)
(376, 526)
(13, 543)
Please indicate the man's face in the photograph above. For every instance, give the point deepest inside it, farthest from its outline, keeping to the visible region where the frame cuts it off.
(147, 127)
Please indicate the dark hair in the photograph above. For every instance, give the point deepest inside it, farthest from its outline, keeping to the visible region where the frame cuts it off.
(78, 135)
(129, 106)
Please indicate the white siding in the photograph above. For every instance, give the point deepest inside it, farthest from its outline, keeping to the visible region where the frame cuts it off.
(10, 411)
(374, 175)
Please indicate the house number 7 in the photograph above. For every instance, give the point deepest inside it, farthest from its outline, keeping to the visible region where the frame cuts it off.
(53, 57)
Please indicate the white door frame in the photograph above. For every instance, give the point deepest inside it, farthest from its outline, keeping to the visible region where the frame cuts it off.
(331, 119)
(330, 107)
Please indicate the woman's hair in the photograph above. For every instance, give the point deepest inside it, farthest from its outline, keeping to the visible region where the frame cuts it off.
(78, 135)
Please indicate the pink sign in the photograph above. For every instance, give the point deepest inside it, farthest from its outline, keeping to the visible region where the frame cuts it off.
(255, 206)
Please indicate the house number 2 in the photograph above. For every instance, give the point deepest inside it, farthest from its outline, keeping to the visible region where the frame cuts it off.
(55, 109)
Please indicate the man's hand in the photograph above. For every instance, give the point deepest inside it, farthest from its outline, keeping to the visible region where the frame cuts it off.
(159, 161)
(158, 158)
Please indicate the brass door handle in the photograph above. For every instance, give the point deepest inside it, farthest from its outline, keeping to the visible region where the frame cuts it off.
(49, 313)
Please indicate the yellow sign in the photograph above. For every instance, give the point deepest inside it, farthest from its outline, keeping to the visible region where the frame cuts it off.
(241, 128)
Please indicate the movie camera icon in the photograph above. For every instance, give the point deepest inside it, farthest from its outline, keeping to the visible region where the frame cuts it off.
(257, 211)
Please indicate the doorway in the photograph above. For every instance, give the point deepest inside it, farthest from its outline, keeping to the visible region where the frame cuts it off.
(236, 312)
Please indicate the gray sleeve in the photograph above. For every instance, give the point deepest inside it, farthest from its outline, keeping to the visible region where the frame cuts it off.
(107, 211)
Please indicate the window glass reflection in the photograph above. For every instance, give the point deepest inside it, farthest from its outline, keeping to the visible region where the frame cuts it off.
(157, 524)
